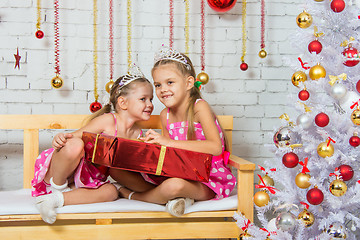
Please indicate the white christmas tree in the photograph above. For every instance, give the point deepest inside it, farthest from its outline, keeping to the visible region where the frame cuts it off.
(316, 170)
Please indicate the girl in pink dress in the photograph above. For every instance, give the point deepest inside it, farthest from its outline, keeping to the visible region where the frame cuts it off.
(188, 123)
(130, 101)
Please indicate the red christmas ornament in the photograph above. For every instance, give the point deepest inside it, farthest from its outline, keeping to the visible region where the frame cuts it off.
(354, 141)
(304, 95)
(244, 66)
(358, 86)
(221, 5)
(346, 172)
(352, 56)
(322, 120)
(290, 160)
(315, 46)
(39, 34)
(315, 196)
(337, 5)
(95, 106)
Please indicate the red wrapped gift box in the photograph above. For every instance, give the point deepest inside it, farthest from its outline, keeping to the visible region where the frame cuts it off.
(148, 158)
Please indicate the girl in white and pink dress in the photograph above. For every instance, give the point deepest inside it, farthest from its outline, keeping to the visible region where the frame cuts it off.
(188, 123)
(130, 101)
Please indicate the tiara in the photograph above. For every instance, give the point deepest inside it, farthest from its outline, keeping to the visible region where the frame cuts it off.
(166, 53)
(133, 74)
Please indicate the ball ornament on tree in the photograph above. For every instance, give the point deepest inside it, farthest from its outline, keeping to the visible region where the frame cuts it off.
(306, 217)
(355, 116)
(322, 119)
(244, 235)
(325, 149)
(95, 106)
(221, 5)
(267, 180)
(244, 66)
(285, 221)
(346, 172)
(315, 46)
(337, 5)
(337, 231)
(39, 34)
(338, 91)
(203, 78)
(358, 86)
(298, 77)
(282, 138)
(315, 196)
(316, 72)
(302, 180)
(304, 95)
(56, 82)
(262, 53)
(290, 160)
(109, 85)
(338, 187)
(351, 56)
(261, 198)
(304, 20)
(354, 141)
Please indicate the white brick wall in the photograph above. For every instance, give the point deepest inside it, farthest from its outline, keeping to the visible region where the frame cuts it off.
(256, 97)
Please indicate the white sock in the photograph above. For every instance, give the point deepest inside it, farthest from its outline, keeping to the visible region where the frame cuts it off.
(47, 204)
(61, 188)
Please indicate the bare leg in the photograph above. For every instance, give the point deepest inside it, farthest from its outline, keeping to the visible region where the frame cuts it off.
(130, 180)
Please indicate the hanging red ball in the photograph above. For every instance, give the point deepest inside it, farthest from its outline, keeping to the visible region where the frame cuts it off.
(221, 5)
(358, 86)
(315, 46)
(352, 56)
(244, 66)
(354, 141)
(346, 172)
(337, 5)
(304, 95)
(322, 120)
(290, 160)
(95, 106)
(315, 196)
(39, 34)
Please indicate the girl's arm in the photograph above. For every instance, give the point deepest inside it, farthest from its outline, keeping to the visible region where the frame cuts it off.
(203, 115)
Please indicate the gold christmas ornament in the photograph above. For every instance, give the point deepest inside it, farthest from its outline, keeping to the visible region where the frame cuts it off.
(317, 72)
(298, 77)
(338, 187)
(261, 198)
(109, 85)
(267, 180)
(324, 150)
(56, 82)
(244, 235)
(302, 180)
(319, 0)
(304, 20)
(306, 217)
(203, 78)
(262, 53)
(355, 116)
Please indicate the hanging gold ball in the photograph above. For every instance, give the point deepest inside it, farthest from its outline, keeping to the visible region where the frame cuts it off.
(244, 235)
(262, 53)
(338, 187)
(261, 198)
(302, 180)
(306, 217)
(317, 72)
(319, 0)
(298, 77)
(203, 78)
(304, 20)
(56, 82)
(355, 117)
(109, 85)
(267, 180)
(324, 150)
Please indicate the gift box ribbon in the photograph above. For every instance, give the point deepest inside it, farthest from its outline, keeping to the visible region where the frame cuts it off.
(161, 160)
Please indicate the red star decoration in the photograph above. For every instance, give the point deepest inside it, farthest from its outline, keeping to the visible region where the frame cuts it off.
(17, 57)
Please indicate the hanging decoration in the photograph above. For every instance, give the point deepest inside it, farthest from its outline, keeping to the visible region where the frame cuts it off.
(346, 172)
(56, 82)
(316, 72)
(17, 59)
(315, 45)
(322, 119)
(129, 27)
(262, 52)
(290, 160)
(95, 106)
(187, 26)
(298, 77)
(304, 20)
(39, 34)
(315, 196)
(221, 5)
(306, 216)
(337, 5)
(338, 186)
(243, 65)
(325, 149)
(354, 140)
(202, 77)
(111, 47)
(171, 23)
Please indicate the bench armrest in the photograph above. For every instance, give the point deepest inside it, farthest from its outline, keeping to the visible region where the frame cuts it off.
(240, 163)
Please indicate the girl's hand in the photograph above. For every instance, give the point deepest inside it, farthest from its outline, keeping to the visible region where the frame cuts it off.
(153, 137)
(60, 140)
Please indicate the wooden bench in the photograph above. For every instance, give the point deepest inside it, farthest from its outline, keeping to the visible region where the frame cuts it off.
(120, 225)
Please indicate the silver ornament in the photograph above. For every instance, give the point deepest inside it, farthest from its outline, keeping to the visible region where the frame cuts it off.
(336, 230)
(282, 137)
(285, 221)
(338, 91)
(304, 120)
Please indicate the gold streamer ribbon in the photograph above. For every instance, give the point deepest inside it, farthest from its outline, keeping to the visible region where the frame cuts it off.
(187, 27)
(95, 56)
(129, 33)
(307, 109)
(243, 17)
(346, 42)
(38, 22)
(316, 33)
(161, 160)
(286, 117)
(334, 79)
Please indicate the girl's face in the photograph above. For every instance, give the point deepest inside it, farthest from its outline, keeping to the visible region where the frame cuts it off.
(139, 101)
(171, 86)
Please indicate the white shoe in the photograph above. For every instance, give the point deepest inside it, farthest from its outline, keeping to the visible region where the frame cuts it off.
(47, 204)
(61, 188)
(177, 206)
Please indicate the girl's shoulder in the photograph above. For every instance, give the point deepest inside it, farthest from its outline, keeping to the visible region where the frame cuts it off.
(201, 105)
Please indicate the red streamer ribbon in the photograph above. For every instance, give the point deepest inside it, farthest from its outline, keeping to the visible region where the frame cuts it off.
(202, 57)
(303, 64)
(271, 189)
(269, 233)
(264, 170)
(171, 35)
(330, 140)
(247, 223)
(56, 36)
(262, 45)
(305, 205)
(111, 39)
(304, 164)
(355, 104)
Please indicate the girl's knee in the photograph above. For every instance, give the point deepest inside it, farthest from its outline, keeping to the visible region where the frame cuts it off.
(74, 148)
(173, 187)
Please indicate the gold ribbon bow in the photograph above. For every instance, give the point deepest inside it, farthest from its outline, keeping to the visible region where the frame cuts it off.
(334, 79)
(307, 109)
(346, 42)
(316, 33)
(286, 117)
